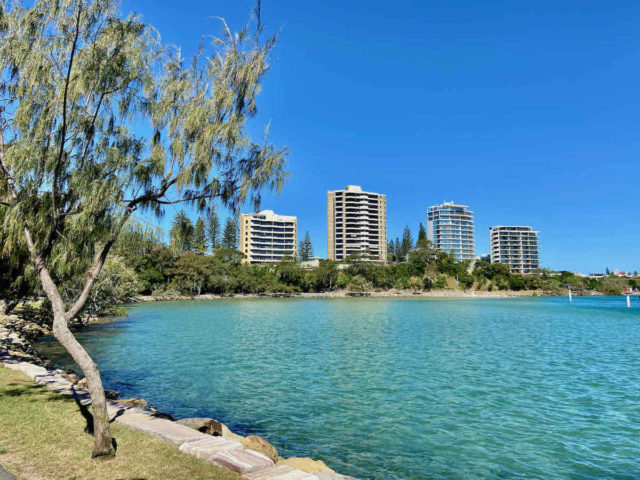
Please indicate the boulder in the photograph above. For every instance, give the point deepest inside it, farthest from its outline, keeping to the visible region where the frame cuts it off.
(305, 464)
(226, 433)
(204, 425)
(69, 375)
(111, 394)
(83, 383)
(133, 402)
(259, 444)
(252, 442)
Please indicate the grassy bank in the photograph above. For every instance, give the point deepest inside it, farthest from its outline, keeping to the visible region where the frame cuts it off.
(42, 436)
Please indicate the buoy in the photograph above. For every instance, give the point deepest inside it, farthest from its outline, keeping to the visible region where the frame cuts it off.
(628, 300)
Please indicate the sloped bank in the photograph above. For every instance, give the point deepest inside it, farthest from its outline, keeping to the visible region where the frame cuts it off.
(204, 438)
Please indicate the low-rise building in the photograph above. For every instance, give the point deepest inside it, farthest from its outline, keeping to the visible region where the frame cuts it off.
(516, 246)
(266, 237)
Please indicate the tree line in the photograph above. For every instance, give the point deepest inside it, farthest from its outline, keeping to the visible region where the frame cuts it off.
(206, 236)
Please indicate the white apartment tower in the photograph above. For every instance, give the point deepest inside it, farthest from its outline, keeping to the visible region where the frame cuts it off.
(450, 229)
(356, 224)
(266, 237)
(516, 246)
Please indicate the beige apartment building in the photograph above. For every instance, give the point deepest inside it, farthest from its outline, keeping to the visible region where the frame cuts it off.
(266, 237)
(356, 224)
(516, 246)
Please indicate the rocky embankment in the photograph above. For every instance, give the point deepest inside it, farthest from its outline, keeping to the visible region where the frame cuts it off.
(253, 456)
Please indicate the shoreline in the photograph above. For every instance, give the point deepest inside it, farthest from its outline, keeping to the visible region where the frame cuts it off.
(404, 294)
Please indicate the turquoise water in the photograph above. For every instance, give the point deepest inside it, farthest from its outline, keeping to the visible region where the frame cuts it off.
(397, 388)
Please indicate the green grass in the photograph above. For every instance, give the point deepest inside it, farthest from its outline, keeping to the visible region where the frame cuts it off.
(42, 436)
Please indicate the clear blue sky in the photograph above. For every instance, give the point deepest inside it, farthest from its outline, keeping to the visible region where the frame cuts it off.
(526, 111)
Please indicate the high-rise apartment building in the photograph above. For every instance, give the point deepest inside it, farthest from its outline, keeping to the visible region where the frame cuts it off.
(516, 246)
(356, 224)
(450, 228)
(266, 237)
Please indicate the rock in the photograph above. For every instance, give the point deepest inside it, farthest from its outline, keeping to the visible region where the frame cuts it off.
(305, 464)
(226, 433)
(259, 444)
(170, 431)
(208, 446)
(253, 442)
(204, 425)
(70, 375)
(333, 476)
(166, 416)
(280, 472)
(241, 461)
(133, 402)
(111, 394)
(83, 383)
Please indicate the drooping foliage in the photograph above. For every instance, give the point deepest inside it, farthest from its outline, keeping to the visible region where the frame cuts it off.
(182, 233)
(80, 87)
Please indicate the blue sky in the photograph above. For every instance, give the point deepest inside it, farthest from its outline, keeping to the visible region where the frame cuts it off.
(525, 111)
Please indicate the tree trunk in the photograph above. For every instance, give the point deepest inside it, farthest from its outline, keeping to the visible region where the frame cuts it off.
(102, 444)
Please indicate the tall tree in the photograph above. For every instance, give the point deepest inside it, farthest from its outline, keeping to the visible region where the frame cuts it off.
(77, 80)
(397, 249)
(422, 233)
(406, 244)
(182, 233)
(213, 231)
(230, 234)
(306, 248)
(391, 250)
(200, 237)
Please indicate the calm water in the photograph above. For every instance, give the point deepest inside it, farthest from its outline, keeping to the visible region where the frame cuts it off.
(398, 389)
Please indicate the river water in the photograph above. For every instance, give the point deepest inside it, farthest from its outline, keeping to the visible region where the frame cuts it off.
(396, 388)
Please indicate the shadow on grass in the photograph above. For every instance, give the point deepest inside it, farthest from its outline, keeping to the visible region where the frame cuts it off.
(20, 389)
(33, 393)
(88, 417)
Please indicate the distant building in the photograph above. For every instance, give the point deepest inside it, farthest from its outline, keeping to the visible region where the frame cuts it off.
(516, 246)
(266, 237)
(450, 228)
(310, 264)
(356, 224)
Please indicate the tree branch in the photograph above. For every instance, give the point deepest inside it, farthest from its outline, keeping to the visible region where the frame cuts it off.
(7, 173)
(54, 183)
(97, 268)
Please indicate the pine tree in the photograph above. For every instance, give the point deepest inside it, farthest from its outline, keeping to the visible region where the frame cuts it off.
(230, 234)
(407, 243)
(200, 237)
(182, 233)
(391, 250)
(306, 248)
(422, 233)
(397, 249)
(213, 231)
(75, 77)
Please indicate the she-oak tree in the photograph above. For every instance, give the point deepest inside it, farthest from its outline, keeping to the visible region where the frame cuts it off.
(80, 86)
